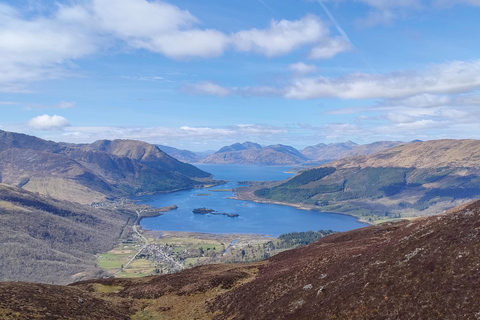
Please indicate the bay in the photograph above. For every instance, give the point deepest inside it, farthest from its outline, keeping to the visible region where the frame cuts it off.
(258, 218)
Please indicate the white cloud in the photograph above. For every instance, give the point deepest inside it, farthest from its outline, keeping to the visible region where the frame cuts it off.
(440, 79)
(46, 122)
(136, 19)
(453, 77)
(162, 135)
(330, 48)
(302, 68)
(206, 87)
(399, 117)
(158, 27)
(33, 49)
(282, 36)
(41, 47)
(419, 101)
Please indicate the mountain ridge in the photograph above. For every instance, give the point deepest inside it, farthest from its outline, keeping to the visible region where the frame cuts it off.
(93, 172)
(333, 151)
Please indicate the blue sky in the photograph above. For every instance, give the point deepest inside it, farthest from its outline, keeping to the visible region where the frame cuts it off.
(199, 75)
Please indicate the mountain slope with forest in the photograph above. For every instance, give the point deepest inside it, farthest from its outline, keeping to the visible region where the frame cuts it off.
(426, 268)
(52, 241)
(409, 180)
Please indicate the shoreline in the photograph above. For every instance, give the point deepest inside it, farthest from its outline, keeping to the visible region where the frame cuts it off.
(248, 195)
(214, 183)
(207, 235)
(303, 207)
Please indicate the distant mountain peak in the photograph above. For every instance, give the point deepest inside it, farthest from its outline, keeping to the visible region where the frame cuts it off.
(240, 146)
(253, 153)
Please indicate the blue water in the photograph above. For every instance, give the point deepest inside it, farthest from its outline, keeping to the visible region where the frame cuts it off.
(259, 218)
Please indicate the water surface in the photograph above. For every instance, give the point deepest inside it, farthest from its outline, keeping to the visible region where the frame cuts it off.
(260, 218)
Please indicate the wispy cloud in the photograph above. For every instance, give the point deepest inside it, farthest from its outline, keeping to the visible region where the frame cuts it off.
(334, 21)
(206, 87)
(33, 106)
(448, 78)
(173, 136)
(285, 36)
(301, 68)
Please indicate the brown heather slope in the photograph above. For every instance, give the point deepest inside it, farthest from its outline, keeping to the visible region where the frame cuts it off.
(427, 268)
(333, 151)
(26, 301)
(428, 154)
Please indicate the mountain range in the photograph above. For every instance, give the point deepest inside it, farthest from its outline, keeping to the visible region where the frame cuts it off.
(333, 151)
(426, 268)
(413, 179)
(254, 153)
(88, 173)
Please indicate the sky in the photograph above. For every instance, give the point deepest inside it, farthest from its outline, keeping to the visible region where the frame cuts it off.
(200, 75)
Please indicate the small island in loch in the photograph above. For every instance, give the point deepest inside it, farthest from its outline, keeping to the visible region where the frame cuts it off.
(202, 210)
(211, 211)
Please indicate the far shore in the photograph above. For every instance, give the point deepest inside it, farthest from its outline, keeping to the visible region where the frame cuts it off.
(247, 194)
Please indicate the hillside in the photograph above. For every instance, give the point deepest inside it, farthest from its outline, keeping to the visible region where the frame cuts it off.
(89, 173)
(53, 241)
(182, 155)
(409, 180)
(147, 154)
(425, 268)
(253, 153)
(429, 154)
(333, 151)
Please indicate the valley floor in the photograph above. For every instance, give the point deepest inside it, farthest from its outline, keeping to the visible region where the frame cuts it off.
(167, 251)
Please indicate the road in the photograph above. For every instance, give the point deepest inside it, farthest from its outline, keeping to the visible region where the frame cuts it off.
(134, 227)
